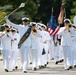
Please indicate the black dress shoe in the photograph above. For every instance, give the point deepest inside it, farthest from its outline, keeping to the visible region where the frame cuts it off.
(30, 62)
(56, 62)
(75, 66)
(13, 69)
(42, 66)
(39, 67)
(47, 62)
(67, 69)
(45, 65)
(25, 71)
(35, 69)
(6, 70)
(70, 67)
(16, 67)
(61, 60)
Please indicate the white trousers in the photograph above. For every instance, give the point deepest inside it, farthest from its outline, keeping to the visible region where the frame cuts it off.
(67, 56)
(40, 55)
(51, 51)
(43, 60)
(30, 56)
(46, 54)
(74, 53)
(74, 58)
(24, 51)
(5, 55)
(58, 53)
(34, 58)
(14, 58)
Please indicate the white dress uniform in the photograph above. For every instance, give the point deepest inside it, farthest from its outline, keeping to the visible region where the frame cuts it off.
(74, 64)
(25, 47)
(46, 38)
(35, 46)
(58, 53)
(30, 55)
(51, 49)
(74, 48)
(6, 48)
(14, 49)
(40, 48)
(66, 43)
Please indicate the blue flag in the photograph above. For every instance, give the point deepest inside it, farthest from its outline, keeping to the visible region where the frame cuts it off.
(52, 25)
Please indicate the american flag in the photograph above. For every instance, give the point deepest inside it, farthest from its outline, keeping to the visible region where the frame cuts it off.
(52, 25)
(56, 31)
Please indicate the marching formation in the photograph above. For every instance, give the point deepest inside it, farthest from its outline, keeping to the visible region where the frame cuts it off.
(34, 45)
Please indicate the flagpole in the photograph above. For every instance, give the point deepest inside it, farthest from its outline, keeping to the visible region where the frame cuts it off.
(52, 9)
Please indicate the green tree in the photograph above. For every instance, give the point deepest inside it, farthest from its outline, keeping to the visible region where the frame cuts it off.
(73, 10)
(37, 10)
(44, 10)
(3, 12)
(29, 10)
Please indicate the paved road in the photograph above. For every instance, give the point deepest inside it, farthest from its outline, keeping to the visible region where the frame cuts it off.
(51, 69)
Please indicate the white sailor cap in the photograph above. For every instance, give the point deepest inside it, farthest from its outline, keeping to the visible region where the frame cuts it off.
(39, 24)
(43, 26)
(33, 23)
(13, 29)
(67, 20)
(6, 25)
(25, 19)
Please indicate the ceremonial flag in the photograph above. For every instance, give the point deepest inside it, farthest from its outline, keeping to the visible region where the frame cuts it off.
(61, 17)
(52, 25)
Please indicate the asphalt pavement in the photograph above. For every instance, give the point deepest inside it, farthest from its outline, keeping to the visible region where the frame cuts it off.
(51, 69)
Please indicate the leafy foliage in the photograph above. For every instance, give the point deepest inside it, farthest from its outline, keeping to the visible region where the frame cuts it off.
(36, 10)
(73, 11)
(2, 16)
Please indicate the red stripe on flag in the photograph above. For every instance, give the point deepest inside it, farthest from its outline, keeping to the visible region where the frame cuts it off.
(56, 31)
(50, 31)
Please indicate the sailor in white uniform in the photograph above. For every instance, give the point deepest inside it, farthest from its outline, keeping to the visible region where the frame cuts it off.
(46, 38)
(73, 55)
(74, 43)
(14, 48)
(35, 45)
(51, 49)
(58, 51)
(6, 46)
(40, 43)
(66, 43)
(25, 47)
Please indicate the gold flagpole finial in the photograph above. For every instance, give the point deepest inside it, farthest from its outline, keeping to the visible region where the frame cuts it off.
(52, 9)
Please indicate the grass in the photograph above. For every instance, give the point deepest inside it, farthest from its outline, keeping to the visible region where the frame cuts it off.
(0, 53)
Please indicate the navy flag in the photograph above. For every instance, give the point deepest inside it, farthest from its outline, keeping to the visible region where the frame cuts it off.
(52, 25)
